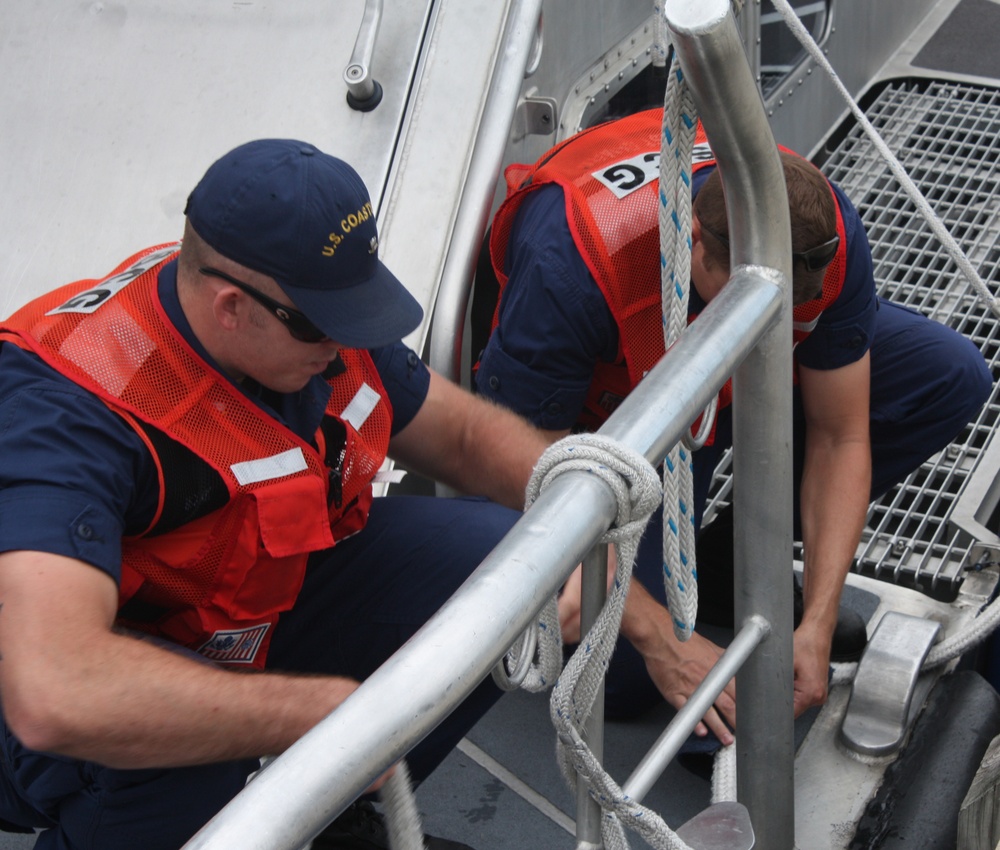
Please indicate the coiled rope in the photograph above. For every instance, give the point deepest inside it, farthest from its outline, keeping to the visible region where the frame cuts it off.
(637, 493)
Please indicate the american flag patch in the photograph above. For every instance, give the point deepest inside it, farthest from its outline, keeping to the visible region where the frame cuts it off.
(235, 646)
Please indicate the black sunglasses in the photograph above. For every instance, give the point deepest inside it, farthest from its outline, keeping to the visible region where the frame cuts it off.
(296, 323)
(815, 259)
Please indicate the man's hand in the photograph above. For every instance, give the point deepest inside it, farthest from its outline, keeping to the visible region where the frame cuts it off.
(812, 662)
(678, 670)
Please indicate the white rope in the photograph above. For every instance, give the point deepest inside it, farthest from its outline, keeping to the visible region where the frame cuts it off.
(680, 569)
(925, 209)
(680, 575)
(402, 819)
(724, 775)
(971, 635)
(542, 641)
(660, 37)
(637, 493)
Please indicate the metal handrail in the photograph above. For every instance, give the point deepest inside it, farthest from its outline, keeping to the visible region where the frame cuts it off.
(746, 329)
(363, 91)
(399, 704)
(520, 35)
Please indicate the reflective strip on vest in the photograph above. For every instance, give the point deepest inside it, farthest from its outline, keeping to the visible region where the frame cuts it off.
(361, 406)
(269, 468)
(806, 327)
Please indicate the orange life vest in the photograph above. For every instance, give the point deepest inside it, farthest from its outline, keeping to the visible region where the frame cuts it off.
(609, 175)
(217, 578)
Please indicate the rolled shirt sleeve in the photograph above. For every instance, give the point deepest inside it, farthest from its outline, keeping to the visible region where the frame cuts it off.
(69, 468)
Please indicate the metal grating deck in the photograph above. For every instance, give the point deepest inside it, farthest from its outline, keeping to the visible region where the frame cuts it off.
(947, 137)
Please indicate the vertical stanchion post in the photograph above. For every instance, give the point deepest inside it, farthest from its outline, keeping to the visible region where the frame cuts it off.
(762, 463)
(713, 61)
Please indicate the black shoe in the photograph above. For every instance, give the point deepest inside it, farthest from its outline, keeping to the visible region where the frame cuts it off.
(360, 827)
(850, 637)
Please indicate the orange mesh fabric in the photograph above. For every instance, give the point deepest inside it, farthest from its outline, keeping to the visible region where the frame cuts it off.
(616, 231)
(243, 562)
(609, 175)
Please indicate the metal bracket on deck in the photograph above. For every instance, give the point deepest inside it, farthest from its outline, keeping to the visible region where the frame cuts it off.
(878, 711)
(722, 826)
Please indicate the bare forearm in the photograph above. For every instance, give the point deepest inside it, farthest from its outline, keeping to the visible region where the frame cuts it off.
(645, 622)
(71, 685)
(471, 444)
(164, 710)
(836, 483)
(834, 503)
(136, 705)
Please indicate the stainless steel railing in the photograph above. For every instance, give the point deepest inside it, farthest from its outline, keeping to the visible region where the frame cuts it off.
(412, 692)
(744, 332)
(445, 354)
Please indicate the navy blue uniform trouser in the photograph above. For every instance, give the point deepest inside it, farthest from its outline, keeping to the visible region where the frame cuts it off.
(927, 383)
(362, 600)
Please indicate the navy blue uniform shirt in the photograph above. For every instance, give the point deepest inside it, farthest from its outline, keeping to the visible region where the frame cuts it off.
(555, 325)
(75, 478)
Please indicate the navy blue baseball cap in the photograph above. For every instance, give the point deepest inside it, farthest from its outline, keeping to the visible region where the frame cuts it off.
(286, 209)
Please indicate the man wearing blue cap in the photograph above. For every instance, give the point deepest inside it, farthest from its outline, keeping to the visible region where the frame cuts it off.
(187, 451)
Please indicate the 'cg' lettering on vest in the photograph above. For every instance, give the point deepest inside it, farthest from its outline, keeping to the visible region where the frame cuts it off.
(89, 301)
(629, 175)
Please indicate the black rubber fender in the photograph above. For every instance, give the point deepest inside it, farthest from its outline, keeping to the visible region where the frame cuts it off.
(918, 803)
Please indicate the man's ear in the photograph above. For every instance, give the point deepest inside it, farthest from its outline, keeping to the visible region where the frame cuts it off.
(695, 229)
(225, 307)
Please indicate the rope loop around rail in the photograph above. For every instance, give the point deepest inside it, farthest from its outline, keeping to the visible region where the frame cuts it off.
(637, 492)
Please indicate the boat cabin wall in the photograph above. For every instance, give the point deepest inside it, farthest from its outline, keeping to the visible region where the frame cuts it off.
(112, 109)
